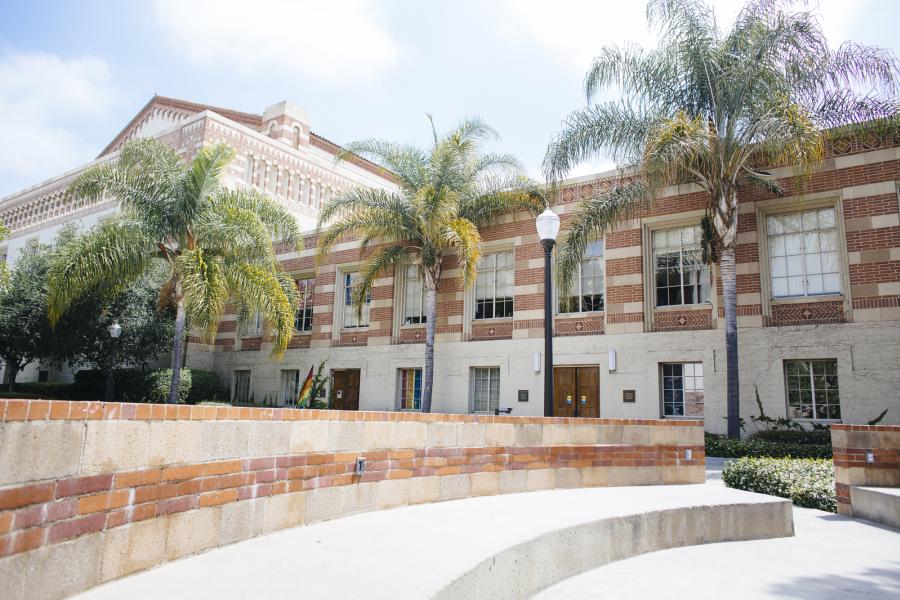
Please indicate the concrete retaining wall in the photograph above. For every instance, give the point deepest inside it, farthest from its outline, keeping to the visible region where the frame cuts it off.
(91, 491)
(852, 447)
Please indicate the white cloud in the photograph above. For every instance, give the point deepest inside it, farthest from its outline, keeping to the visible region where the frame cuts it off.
(332, 40)
(574, 30)
(41, 95)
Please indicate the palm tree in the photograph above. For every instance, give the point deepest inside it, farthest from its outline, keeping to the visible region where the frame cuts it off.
(713, 107)
(445, 192)
(216, 243)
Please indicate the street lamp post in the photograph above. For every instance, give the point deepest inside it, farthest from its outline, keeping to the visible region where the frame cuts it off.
(547, 224)
(115, 330)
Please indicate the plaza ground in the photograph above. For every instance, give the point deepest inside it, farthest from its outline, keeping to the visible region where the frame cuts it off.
(829, 557)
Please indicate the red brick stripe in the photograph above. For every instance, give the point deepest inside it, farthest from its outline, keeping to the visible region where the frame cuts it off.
(42, 410)
(45, 513)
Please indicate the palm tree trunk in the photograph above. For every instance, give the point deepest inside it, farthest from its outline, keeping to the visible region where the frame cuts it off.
(729, 295)
(177, 346)
(431, 317)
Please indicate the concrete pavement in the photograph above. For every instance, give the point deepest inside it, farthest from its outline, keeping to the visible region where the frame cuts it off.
(829, 557)
(507, 546)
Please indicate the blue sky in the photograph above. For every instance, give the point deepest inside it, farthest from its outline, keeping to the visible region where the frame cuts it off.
(73, 73)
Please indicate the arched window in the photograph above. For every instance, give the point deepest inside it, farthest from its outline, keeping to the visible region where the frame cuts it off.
(296, 136)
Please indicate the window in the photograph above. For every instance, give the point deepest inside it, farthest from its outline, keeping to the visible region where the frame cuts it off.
(254, 326)
(485, 389)
(43, 375)
(682, 389)
(296, 136)
(681, 275)
(803, 257)
(494, 286)
(812, 389)
(410, 389)
(304, 315)
(352, 317)
(248, 169)
(290, 386)
(414, 296)
(242, 386)
(587, 289)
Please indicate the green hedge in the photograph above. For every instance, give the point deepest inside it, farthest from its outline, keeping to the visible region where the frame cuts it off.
(133, 385)
(206, 387)
(820, 437)
(806, 482)
(727, 448)
(43, 389)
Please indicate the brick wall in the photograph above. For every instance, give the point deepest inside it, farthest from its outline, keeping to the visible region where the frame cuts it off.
(108, 489)
(861, 176)
(851, 444)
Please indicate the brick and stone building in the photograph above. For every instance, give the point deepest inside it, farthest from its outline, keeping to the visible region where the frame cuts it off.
(643, 334)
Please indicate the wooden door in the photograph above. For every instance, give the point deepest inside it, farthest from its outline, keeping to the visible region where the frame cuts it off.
(345, 389)
(576, 392)
(564, 390)
(588, 392)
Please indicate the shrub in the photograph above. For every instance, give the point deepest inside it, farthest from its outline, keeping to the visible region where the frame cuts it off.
(727, 448)
(820, 437)
(206, 387)
(806, 482)
(158, 386)
(45, 389)
(132, 385)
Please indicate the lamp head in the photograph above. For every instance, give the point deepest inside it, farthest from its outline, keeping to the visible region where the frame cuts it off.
(115, 330)
(547, 224)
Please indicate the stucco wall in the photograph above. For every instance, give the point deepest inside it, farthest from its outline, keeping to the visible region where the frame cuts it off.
(91, 491)
(867, 354)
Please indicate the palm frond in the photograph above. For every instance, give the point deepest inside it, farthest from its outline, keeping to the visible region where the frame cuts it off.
(594, 217)
(111, 255)
(280, 223)
(617, 128)
(257, 287)
(462, 234)
(204, 288)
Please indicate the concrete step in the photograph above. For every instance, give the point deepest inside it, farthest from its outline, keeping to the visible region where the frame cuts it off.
(508, 546)
(876, 504)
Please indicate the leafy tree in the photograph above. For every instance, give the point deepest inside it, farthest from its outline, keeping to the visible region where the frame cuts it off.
(147, 329)
(4, 272)
(712, 107)
(25, 333)
(445, 192)
(81, 337)
(216, 244)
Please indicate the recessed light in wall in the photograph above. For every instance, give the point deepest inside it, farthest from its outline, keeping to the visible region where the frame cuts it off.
(870, 456)
(688, 454)
(536, 364)
(612, 359)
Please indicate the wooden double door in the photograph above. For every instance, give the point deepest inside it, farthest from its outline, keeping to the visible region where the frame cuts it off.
(345, 389)
(576, 392)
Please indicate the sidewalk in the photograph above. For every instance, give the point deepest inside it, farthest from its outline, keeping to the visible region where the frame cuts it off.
(830, 557)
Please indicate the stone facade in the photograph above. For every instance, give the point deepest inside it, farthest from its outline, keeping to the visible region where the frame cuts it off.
(854, 327)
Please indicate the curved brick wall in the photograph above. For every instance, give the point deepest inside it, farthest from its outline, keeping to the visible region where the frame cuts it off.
(850, 444)
(90, 491)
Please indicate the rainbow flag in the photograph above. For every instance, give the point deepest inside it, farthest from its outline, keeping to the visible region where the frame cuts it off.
(303, 398)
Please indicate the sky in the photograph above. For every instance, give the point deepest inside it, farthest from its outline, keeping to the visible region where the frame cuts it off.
(72, 74)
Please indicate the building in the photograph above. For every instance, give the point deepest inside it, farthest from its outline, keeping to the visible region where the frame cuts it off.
(818, 298)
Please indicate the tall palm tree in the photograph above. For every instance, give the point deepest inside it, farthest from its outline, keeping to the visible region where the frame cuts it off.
(445, 192)
(714, 107)
(216, 242)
